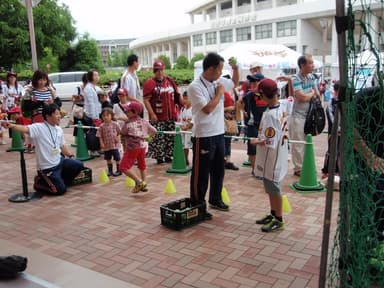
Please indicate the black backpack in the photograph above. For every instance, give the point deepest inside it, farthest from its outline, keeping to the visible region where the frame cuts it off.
(10, 266)
(315, 120)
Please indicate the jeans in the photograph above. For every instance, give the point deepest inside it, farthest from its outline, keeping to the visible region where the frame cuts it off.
(64, 173)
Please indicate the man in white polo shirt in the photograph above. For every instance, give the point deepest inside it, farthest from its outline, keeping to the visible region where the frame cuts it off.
(207, 97)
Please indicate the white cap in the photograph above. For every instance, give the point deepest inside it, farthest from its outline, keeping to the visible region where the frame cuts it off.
(255, 64)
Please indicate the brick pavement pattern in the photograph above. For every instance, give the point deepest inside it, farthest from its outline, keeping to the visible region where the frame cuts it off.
(107, 229)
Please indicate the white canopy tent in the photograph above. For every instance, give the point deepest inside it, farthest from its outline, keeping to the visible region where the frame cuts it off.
(274, 57)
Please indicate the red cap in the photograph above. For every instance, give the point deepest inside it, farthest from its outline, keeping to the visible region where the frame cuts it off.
(15, 109)
(136, 106)
(268, 87)
(158, 65)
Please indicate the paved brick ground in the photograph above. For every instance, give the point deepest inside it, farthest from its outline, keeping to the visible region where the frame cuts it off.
(107, 229)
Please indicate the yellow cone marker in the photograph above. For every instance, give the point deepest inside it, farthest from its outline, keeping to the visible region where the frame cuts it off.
(225, 196)
(103, 178)
(286, 205)
(170, 187)
(129, 182)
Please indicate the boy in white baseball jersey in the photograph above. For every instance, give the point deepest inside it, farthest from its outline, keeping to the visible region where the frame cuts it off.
(272, 154)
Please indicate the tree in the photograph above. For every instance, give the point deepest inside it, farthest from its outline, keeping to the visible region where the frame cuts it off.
(181, 62)
(14, 38)
(87, 55)
(195, 58)
(53, 26)
(166, 61)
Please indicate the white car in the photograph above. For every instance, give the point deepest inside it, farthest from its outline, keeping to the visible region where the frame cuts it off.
(65, 83)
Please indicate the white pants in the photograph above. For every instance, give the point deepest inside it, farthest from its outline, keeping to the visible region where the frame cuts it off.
(296, 132)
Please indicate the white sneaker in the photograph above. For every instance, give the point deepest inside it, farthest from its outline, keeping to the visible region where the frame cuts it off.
(2, 142)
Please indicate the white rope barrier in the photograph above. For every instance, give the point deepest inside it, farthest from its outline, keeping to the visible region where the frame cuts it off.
(159, 132)
(82, 126)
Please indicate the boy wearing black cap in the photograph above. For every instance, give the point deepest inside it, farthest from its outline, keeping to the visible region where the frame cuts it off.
(254, 106)
(272, 157)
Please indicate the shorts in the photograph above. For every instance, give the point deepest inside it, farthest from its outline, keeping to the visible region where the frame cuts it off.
(252, 131)
(186, 140)
(129, 158)
(272, 188)
(109, 153)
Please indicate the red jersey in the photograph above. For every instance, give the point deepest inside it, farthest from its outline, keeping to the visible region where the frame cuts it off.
(161, 97)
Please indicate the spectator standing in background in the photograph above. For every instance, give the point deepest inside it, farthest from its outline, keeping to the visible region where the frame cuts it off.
(130, 81)
(305, 87)
(160, 98)
(92, 109)
(12, 91)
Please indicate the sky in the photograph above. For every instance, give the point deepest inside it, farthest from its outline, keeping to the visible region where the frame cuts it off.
(122, 19)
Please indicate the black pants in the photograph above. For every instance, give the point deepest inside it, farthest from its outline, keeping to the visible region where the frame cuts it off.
(208, 166)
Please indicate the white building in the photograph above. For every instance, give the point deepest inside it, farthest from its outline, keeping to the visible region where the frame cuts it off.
(303, 25)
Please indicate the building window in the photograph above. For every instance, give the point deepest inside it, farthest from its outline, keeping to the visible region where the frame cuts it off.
(243, 2)
(210, 38)
(263, 31)
(197, 40)
(286, 28)
(243, 34)
(226, 36)
(226, 5)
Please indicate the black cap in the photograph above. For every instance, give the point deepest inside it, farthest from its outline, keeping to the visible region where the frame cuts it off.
(255, 77)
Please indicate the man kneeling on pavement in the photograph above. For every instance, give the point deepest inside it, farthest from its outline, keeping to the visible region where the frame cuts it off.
(56, 168)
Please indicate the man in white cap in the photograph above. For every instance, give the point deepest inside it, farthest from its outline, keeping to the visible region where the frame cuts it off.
(255, 67)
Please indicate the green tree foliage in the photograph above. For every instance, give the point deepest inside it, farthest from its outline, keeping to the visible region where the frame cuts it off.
(166, 61)
(50, 62)
(53, 27)
(14, 36)
(181, 62)
(87, 55)
(195, 58)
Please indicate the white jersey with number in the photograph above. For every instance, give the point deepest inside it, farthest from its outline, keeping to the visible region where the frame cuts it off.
(272, 158)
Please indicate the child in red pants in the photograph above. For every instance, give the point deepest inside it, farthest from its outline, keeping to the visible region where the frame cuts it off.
(135, 131)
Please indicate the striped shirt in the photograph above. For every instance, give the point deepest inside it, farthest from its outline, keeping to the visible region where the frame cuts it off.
(305, 84)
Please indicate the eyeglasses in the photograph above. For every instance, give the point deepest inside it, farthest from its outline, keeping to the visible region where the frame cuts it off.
(157, 70)
(120, 94)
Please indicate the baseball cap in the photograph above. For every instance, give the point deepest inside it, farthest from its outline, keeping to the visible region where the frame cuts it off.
(15, 109)
(255, 64)
(268, 87)
(136, 106)
(255, 77)
(158, 64)
(11, 73)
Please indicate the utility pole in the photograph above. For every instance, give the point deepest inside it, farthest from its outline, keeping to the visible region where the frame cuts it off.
(29, 4)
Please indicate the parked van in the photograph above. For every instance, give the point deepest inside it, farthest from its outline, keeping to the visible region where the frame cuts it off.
(66, 83)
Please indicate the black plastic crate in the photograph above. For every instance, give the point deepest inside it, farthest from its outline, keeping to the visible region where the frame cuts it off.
(180, 213)
(85, 176)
